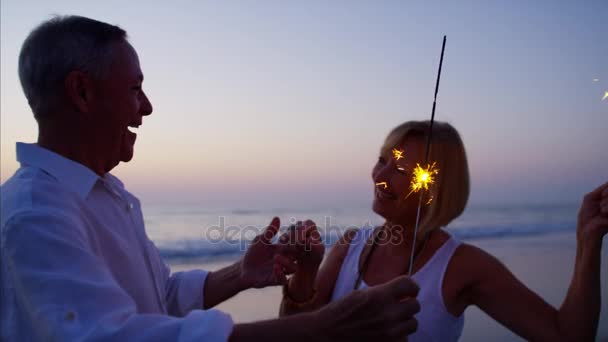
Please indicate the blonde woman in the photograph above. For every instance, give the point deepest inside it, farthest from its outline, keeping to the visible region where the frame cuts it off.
(452, 275)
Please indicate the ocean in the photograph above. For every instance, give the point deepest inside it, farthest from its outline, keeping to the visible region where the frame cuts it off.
(530, 240)
(194, 234)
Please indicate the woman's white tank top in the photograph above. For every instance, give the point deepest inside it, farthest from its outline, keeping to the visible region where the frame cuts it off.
(435, 323)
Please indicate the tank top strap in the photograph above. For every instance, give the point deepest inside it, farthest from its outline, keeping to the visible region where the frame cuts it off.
(433, 271)
(446, 255)
(358, 243)
(350, 266)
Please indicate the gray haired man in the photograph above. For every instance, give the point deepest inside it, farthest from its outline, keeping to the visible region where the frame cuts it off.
(76, 261)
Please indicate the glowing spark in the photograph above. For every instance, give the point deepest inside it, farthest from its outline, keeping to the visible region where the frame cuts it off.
(383, 184)
(397, 154)
(422, 178)
(605, 95)
(430, 200)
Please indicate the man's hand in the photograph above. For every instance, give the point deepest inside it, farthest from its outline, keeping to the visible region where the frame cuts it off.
(380, 313)
(384, 312)
(265, 263)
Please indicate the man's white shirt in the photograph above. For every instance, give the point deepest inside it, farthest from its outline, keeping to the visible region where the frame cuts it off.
(76, 262)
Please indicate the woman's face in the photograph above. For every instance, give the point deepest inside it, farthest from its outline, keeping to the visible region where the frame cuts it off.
(392, 176)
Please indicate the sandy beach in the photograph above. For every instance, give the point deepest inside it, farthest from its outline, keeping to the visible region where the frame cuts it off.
(542, 262)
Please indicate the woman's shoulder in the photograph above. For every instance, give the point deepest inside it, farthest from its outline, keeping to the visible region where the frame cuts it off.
(473, 264)
(351, 236)
(467, 269)
(469, 253)
(348, 237)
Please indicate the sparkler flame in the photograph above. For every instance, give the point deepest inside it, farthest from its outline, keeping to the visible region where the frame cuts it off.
(383, 184)
(397, 154)
(422, 178)
(605, 95)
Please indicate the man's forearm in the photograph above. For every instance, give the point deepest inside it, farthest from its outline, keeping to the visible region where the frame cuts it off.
(295, 328)
(222, 285)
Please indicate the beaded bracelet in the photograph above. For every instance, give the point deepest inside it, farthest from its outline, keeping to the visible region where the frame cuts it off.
(295, 304)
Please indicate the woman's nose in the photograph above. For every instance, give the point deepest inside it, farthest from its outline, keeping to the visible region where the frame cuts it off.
(382, 174)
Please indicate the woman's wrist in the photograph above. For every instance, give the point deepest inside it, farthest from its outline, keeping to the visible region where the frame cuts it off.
(589, 243)
(300, 287)
(302, 300)
(588, 254)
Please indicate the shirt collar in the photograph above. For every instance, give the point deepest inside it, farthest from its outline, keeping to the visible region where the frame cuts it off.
(73, 175)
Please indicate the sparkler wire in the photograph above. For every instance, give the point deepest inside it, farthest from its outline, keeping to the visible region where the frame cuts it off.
(428, 148)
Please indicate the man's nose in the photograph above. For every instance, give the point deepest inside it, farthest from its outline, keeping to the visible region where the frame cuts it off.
(146, 106)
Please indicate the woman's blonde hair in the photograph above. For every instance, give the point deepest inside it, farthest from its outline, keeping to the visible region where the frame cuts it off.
(450, 192)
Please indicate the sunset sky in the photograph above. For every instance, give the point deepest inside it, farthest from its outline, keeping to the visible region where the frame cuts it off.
(285, 103)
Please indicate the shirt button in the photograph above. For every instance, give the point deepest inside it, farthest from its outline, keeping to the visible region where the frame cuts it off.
(70, 316)
(130, 206)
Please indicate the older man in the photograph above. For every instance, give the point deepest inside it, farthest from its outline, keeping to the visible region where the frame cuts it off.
(76, 261)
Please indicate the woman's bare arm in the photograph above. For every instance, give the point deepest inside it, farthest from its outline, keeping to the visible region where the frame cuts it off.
(497, 292)
(302, 285)
(502, 296)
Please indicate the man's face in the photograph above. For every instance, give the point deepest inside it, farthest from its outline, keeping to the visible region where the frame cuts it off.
(119, 103)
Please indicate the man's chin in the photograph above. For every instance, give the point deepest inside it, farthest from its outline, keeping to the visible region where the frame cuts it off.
(127, 155)
(126, 159)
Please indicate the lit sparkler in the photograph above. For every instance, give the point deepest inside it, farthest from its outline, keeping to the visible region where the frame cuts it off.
(426, 177)
(605, 95)
(397, 154)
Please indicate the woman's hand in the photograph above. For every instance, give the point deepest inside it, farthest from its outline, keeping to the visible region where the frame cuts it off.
(593, 216)
(266, 263)
(307, 241)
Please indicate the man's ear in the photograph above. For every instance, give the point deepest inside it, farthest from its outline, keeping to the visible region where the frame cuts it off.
(79, 90)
